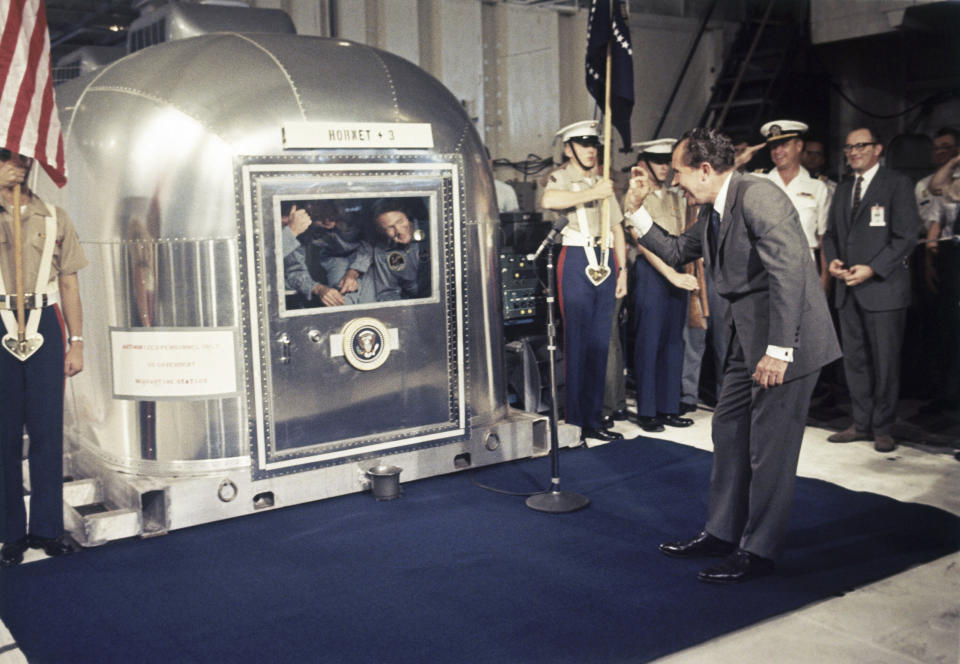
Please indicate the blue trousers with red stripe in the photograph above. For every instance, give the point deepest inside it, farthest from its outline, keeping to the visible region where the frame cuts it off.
(587, 312)
(31, 395)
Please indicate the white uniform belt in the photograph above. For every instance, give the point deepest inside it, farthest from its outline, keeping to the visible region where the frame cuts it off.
(581, 241)
(574, 238)
(30, 300)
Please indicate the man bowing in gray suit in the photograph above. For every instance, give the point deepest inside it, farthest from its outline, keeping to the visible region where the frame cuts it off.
(777, 334)
(871, 230)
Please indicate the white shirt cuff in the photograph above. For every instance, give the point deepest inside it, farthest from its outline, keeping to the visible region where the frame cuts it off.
(780, 353)
(640, 220)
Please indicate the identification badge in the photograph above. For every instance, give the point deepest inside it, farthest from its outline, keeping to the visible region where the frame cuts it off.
(877, 217)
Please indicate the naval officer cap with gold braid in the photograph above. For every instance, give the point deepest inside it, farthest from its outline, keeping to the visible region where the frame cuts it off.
(782, 130)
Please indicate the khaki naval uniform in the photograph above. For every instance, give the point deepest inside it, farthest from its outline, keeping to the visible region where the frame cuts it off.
(31, 391)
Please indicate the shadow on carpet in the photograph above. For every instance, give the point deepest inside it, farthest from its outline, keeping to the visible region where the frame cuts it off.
(453, 573)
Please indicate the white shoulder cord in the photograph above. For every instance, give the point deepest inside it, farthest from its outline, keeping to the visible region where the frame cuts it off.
(43, 276)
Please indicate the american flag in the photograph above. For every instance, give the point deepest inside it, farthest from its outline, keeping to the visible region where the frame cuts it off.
(29, 124)
(605, 26)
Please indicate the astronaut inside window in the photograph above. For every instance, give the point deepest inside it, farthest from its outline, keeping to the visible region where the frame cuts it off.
(354, 251)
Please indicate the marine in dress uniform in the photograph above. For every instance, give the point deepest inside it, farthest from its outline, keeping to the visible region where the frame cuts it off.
(31, 389)
(659, 301)
(586, 303)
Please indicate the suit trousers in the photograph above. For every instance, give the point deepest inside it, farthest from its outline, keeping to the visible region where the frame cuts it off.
(31, 395)
(615, 389)
(757, 434)
(871, 361)
(587, 311)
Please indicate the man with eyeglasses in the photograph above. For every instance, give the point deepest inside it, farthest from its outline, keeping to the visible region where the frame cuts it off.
(871, 231)
(32, 382)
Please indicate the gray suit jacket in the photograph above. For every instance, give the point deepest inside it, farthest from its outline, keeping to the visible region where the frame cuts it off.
(885, 248)
(764, 271)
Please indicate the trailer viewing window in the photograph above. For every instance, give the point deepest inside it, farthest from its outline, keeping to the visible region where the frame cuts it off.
(354, 250)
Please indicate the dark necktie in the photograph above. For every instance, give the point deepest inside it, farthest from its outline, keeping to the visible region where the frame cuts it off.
(857, 194)
(714, 231)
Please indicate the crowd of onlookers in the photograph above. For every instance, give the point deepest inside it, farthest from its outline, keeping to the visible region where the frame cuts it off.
(887, 258)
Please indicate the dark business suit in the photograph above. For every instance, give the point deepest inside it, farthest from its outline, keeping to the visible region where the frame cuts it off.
(762, 268)
(873, 313)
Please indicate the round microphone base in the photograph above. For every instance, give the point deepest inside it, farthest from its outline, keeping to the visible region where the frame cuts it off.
(557, 502)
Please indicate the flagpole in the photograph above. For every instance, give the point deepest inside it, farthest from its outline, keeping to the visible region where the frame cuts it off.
(605, 205)
(18, 267)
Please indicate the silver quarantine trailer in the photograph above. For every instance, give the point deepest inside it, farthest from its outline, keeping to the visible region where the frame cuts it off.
(210, 391)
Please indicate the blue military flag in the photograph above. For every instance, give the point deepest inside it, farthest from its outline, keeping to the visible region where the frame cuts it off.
(605, 26)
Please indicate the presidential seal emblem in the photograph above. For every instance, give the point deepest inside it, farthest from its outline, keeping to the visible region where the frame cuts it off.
(396, 261)
(366, 343)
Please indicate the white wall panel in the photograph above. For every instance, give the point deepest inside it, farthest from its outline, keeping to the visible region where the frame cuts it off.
(660, 47)
(575, 102)
(522, 81)
(351, 20)
(451, 49)
(398, 29)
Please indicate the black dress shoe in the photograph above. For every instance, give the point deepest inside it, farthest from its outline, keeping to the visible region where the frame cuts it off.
(703, 545)
(620, 415)
(52, 546)
(606, 421)
(675, 420)
(738, 567)
(687, 407)
(648, 423)
(599, 434)
(12, 553)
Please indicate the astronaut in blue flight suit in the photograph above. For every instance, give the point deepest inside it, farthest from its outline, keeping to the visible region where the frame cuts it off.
(401, 254)
(332, 264)
(586, 303)
(31, 385)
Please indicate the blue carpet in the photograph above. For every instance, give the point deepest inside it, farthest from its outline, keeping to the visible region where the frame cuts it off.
(453, 573)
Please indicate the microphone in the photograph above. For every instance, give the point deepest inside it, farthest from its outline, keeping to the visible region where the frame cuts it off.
(558, 226)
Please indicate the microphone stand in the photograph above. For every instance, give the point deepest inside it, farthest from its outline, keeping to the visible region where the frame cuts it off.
(554, 500)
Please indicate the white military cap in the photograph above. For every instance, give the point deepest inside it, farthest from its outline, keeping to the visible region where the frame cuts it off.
(657, 146)
(583, 129)
(780, 130)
